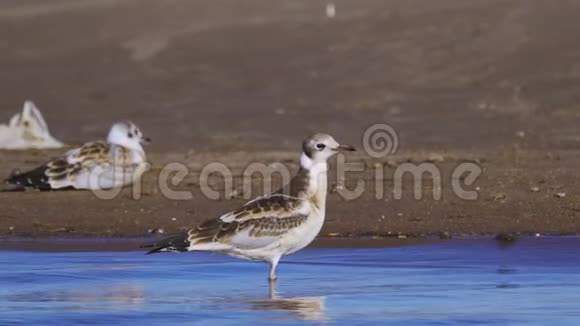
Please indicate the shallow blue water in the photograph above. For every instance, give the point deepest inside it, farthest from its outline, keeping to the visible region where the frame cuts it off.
(473, 282)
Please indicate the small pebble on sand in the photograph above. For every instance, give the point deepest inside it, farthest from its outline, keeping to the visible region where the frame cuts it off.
(330, 10)
(435, 158)
(499, 196)
(445, 236)
(560, 195)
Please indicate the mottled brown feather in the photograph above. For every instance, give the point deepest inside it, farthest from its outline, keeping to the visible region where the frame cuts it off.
(87, 156)
(271, 215)
(267, 216)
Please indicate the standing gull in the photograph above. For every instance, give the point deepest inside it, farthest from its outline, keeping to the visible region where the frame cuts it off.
(272, 226)
(96, 165)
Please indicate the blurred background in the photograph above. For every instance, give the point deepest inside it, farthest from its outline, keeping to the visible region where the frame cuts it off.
(222, 74)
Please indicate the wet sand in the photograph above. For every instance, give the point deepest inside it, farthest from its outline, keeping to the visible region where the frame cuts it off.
(133, 244)
(489, 82)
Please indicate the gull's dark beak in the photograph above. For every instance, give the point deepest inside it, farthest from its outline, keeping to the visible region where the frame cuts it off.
(146, 140)
(345, 148)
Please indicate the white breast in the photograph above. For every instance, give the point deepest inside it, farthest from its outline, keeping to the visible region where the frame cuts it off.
(303, 235)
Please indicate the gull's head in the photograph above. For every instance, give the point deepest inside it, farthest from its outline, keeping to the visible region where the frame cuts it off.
(318, 148)
(127, 134)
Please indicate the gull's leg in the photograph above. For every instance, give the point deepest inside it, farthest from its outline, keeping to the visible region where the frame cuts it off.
(272, 284)
(273, 264)
(272, 278)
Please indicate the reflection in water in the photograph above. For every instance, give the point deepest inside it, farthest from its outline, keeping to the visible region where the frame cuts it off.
(305, 308)
(129, 295)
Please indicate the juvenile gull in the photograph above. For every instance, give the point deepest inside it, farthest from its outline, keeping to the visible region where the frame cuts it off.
(96, 165)
(272, 226)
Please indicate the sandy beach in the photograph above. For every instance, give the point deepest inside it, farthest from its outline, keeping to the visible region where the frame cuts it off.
(245, 82)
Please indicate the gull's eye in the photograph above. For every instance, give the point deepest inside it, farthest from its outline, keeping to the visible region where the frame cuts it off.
(320, 146)
(130, 135)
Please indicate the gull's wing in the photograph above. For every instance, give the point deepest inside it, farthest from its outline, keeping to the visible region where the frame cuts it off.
(76, 163)
(91, 166)
(95, 165)
(34, 119)
(255, 225)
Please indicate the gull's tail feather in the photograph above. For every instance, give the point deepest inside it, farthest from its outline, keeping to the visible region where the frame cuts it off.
(176, 242)
(34, 179)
